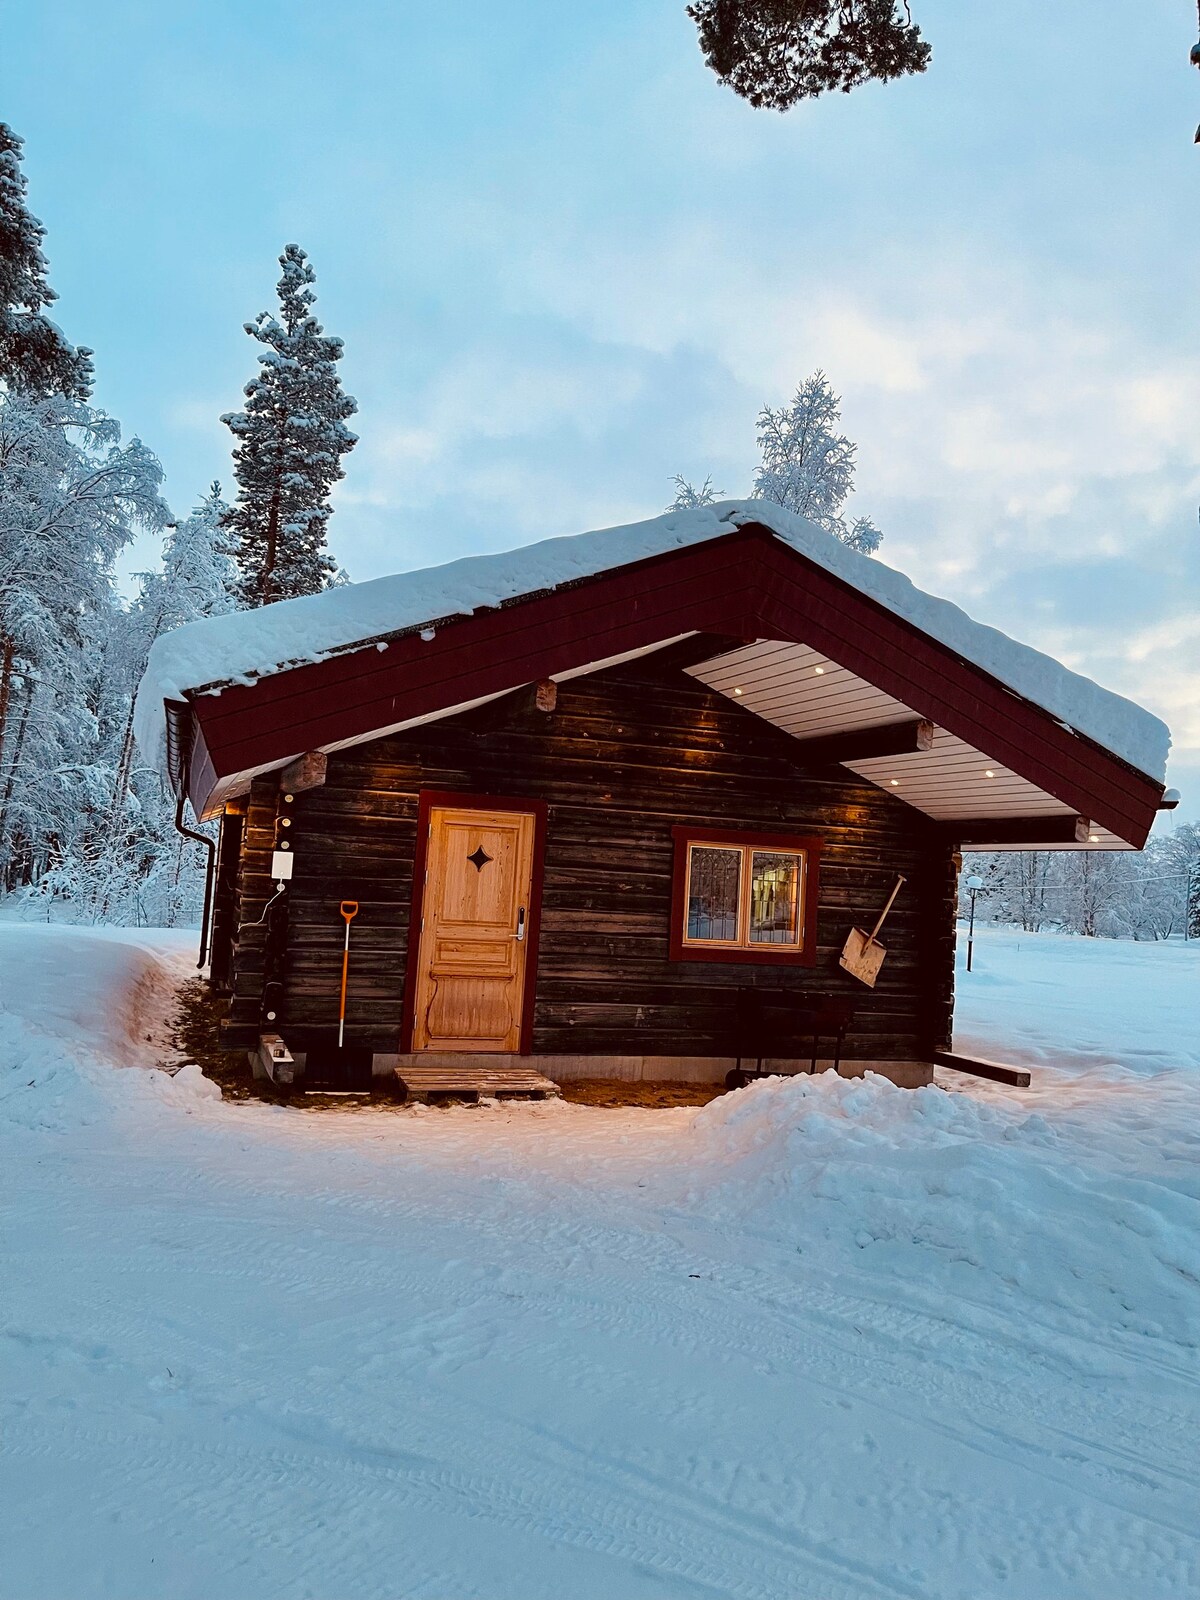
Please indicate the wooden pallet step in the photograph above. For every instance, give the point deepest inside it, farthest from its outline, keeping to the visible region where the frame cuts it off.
(474, 1086)
(472, 1075)
(440, 1079)
(475, 1081)
(449, 1086)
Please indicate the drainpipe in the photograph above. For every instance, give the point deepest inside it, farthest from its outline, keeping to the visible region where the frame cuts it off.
(200, 838)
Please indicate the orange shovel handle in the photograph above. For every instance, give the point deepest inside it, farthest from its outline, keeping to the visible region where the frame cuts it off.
(349, 909)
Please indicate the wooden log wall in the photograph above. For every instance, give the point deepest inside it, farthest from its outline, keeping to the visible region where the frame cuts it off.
(625, 755)
(225, 911)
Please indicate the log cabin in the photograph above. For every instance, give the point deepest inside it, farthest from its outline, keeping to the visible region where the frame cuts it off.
(611, 805)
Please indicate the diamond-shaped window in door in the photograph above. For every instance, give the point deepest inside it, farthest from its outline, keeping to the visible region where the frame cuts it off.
(479, 858)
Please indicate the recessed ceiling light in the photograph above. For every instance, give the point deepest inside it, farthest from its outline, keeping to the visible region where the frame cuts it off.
(895, 783)
(818, 671)
(737, 691)
(1093, 838)
(989, 773)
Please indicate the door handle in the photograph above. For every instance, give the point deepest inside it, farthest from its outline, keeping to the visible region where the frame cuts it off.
(520, 933)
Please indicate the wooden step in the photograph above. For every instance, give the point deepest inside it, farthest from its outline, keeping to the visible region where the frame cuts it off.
(471, 1077)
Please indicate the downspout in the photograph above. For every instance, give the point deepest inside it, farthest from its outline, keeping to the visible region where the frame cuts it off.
(210, 846)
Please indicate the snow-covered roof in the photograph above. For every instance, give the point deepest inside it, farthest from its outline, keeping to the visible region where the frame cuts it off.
(246, 645)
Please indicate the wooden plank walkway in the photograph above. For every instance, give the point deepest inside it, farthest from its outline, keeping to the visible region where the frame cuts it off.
(472, 1076)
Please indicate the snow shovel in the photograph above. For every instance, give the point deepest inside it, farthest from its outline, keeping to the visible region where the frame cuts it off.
(862, 955)
(349, 912)
(330, 1069)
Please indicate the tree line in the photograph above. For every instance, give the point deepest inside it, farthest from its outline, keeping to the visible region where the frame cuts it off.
(81, 819)
(1154, 894)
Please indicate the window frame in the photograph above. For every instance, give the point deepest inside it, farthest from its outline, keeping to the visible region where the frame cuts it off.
(802, 955)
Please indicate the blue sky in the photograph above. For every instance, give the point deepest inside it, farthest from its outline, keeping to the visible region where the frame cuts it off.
(567, 264)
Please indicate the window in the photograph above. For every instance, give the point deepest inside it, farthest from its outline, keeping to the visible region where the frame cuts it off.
(744, 897)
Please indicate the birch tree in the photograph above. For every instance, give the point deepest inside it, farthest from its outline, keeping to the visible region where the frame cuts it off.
(71, 497)
(808, 464)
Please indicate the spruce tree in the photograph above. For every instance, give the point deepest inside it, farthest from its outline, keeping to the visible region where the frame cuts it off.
(34, 355)
(290, 439)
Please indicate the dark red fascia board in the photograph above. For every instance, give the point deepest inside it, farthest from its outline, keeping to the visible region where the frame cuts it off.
(488, 653)
(746, 583)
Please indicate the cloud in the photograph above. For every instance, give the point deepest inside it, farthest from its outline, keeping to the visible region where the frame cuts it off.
(1027, 449)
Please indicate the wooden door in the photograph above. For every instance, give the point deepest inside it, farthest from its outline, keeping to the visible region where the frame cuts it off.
(475, 923)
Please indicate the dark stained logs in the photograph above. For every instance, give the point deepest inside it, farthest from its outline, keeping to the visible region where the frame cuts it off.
(626, 755)
(225, 900)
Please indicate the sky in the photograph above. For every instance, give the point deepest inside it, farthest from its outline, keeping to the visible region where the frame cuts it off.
(567, 264)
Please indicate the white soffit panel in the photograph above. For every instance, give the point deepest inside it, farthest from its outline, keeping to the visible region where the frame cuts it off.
(809, 696)
(954, 780)
(799, 690)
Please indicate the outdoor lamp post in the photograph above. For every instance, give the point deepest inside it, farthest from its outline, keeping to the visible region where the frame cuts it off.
(974, 884)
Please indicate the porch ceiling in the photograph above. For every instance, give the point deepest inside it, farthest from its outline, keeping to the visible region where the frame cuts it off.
(810, 696)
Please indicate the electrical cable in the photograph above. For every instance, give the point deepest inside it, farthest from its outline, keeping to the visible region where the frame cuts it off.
(266, 908)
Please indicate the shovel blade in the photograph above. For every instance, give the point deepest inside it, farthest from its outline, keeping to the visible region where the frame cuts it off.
(337, 1068)
(862, 957)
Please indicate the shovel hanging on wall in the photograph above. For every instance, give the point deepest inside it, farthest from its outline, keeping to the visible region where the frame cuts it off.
(862, 955)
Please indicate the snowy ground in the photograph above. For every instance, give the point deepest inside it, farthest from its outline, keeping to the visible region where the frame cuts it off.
(819, 1339)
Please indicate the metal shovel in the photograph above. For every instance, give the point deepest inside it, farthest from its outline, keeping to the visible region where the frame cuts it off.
(862, 955)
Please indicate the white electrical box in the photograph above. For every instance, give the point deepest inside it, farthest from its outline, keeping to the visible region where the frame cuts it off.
(281, 865)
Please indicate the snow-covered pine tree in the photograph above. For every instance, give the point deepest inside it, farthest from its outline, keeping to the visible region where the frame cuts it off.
(34, 354)
(290, 439)
(688, 497)
(808, 465)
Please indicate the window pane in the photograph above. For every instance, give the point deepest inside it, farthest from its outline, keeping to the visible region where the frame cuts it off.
(774, 897)
(713, 883)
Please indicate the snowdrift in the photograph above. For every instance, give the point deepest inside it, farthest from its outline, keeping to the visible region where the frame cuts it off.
(76, 1004)
(961, 1200)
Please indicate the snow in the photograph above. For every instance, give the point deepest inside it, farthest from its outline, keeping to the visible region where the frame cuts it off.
(245, 645)
(822, 1339)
